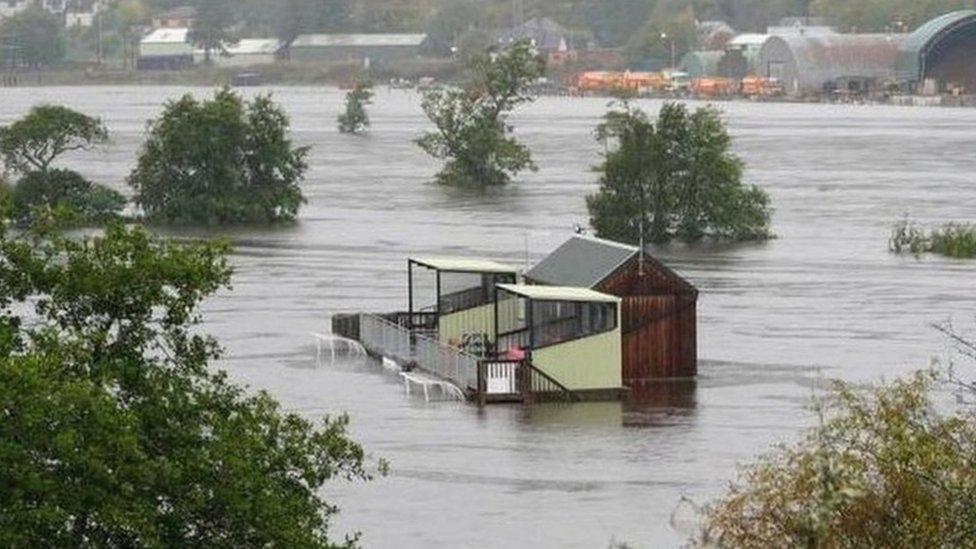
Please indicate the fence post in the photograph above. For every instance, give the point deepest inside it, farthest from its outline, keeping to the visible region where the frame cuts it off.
(482, 384)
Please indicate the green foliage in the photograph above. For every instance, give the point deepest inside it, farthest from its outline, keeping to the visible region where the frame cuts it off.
(885, 468)
(211, 28)
(956, 240)
(355, 119)
(38, 33)
(220, 161)
(66, 191)
(472, 133)
(675, 179)
(47, 132)
(116, 433)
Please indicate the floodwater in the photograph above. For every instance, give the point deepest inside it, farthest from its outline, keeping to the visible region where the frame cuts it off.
(825, 300)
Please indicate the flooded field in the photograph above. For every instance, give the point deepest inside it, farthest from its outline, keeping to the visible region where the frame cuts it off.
(824, 300)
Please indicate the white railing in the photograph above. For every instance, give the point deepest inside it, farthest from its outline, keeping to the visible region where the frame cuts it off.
(388, 339)
(501, 378)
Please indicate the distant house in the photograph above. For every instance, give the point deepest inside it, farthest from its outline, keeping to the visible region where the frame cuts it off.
(550, 38)
(245, 53)
(658, 307)
(182, 17)
(358, 48)
(165, 49)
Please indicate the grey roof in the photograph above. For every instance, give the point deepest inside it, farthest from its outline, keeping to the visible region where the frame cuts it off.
(358, 40)
(581, 261)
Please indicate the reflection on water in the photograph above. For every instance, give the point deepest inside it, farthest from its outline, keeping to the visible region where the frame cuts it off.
(823, 300)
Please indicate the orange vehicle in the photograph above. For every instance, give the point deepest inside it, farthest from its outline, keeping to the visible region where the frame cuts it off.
(759, 86)
(643, 82)
(599, 81)
(713, 87)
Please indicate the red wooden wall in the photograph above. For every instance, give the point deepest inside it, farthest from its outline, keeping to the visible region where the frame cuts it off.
(659, 322)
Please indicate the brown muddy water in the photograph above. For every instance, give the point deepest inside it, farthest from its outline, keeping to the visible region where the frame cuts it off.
(825, 300)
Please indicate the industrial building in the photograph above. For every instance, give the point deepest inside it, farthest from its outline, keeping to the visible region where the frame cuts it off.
(940, 56)
(815, 62)
(358, 48)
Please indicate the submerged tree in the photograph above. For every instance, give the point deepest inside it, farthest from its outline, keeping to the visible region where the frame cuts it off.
(472, 133)
(355, 119)
(220, 161)
(32, 144)
(674, 179)
(117, 433)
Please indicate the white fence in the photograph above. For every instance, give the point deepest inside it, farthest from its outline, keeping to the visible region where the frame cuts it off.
(388, 339)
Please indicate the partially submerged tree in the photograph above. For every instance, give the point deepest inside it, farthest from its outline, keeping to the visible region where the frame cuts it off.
(220, 161)
(355, 119)
(47, 132)
(472, 133)
(32, 144)
(675, 178)
(117, 433)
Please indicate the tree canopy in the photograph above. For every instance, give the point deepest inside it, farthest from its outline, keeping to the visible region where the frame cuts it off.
(220, 161)
(48, 131)
(116, 433)
(675, 178)
(887, 467)
(472, 133)
(30, 146)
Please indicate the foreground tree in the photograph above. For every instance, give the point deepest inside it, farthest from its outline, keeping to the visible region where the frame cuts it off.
(115, 431)
(885, 468)
(32, 144)
(355, 119)
(220, 161)
(472, 133)
(673, 179)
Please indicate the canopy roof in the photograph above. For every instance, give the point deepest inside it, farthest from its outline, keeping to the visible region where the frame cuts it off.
(558, 293)
(464, 265)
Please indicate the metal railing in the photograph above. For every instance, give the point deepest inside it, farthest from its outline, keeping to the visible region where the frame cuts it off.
(388, 339)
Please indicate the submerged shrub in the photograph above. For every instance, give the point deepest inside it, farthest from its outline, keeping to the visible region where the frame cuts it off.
(68, 191)
(956, 240)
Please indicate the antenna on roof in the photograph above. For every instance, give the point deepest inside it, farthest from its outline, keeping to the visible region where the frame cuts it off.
(640, 256)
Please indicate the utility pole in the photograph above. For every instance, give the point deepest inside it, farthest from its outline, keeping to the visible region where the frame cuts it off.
(98, 14)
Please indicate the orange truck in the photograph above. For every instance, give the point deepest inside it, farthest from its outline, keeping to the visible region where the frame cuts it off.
(608, 81)
(758, 86)
(713, 87)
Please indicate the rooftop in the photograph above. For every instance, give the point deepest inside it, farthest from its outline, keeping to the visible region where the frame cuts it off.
(558, 293)
(581, 261)
(358, 40)
(167, 36)
(464, 265)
